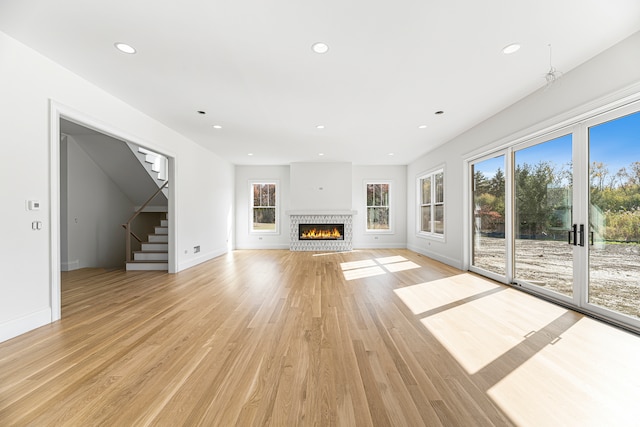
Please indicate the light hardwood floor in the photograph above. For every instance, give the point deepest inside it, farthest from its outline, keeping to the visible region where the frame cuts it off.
(370, 337)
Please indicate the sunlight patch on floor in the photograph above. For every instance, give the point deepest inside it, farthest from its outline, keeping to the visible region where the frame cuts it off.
(540, 363)
(560, 386)
(374, 267)
(480, 331)
(357, 264)
(360, 273)
(390, 259)
(437, 293)
(401, 266)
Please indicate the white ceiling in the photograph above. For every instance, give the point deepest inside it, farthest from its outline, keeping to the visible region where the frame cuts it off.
(249, 65)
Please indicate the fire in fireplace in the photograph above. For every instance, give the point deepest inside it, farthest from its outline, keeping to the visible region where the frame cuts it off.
(321, 231)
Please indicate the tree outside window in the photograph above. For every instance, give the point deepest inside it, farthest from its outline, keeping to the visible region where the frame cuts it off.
(378, 213)
(264, 207)
(431, 194)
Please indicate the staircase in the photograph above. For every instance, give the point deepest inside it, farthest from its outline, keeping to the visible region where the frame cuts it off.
(156, 165)
(154, 253)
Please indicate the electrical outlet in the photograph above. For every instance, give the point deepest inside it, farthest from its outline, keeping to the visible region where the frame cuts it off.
(196, 249)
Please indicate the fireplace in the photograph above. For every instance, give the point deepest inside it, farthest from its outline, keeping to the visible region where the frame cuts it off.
(324, 238)
(321, 232)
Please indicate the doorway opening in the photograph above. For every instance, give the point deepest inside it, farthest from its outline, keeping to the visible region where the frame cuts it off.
(86, 228)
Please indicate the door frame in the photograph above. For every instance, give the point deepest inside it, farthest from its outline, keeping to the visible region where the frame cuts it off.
(507, 153)
(59, 111)
(576, 199)
(577, 122)
(597, 310)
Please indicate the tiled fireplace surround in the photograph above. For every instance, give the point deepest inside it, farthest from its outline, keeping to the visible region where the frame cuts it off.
(334, 217)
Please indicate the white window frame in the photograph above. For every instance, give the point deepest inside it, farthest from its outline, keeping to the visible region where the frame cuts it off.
(389, 206)
(251, 207)
(576, 122)
(431, 234)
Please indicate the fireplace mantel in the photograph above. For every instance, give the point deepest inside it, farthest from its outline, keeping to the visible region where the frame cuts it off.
(321, 212)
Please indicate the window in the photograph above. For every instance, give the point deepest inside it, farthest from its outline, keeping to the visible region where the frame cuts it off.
(264, 207)
(431, 201)
(568, 226)
(378, 213)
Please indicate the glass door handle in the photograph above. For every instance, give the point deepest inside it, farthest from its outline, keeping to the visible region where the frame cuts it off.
(574, 231)
(582, 235)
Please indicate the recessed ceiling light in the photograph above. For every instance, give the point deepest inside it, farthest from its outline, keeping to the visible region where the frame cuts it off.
(125, 48)
(201, 112)
(249, 154)
(320, 47)
(320, 127)
(217, 127)
(390, 154)
(422, 127)
(514, 47)
(437, 113)
(320, 154)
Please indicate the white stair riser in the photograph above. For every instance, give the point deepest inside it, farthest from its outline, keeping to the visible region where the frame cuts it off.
(158, 238)
(164, 223)
(151, 256)
(162, 230)
(155, 246)
(138, 266)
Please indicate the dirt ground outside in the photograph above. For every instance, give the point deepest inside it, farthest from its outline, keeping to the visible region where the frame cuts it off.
(614, 281)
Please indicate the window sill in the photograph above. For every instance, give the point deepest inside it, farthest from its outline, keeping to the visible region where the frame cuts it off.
(431, 236)
(379, 232)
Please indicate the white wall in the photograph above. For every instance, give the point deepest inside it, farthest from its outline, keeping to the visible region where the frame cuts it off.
(397, 176)
(245, 239)
(320, 186)
(96, 209)
(28, 83)
(357, 201)
(607, 77)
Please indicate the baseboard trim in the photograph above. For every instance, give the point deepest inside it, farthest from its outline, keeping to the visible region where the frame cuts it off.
(438, 257)
(201, 258)
(19, 326)
(381, 246)
(263, 246)
(70, 266)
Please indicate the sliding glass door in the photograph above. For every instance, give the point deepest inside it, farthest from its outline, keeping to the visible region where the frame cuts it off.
(560, 215)
(489, 247)
(543, 200)
(614, 215)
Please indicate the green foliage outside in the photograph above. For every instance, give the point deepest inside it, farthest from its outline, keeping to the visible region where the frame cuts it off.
(543, 205)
